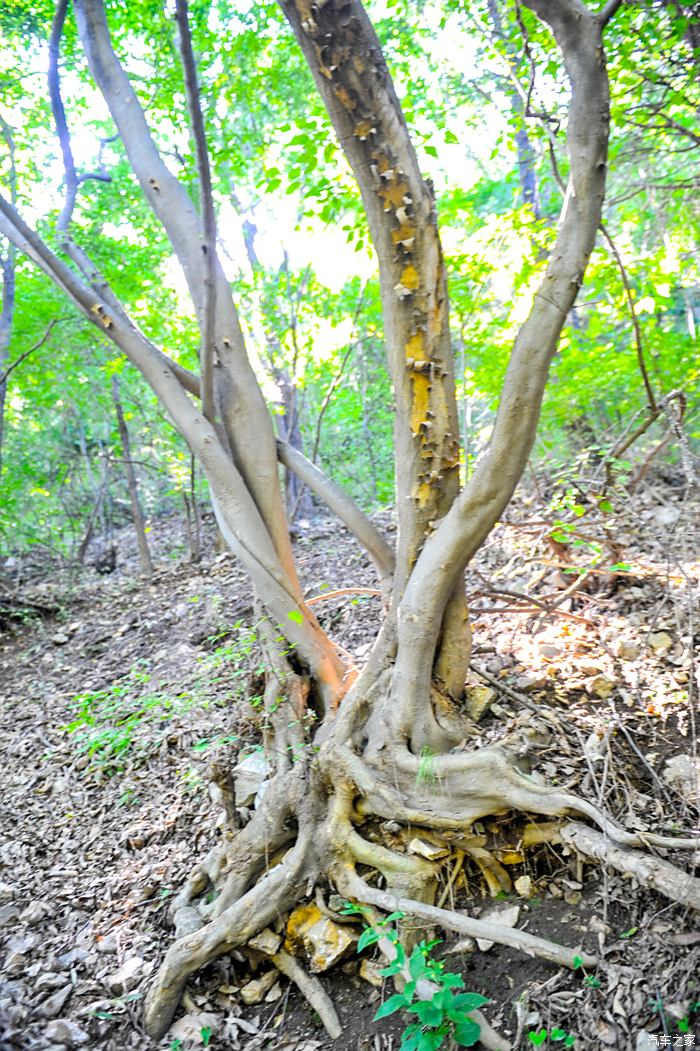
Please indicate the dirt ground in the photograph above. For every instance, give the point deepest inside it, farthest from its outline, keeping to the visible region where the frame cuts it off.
(117, 693)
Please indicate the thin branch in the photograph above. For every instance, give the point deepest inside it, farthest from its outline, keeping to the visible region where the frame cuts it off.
(633, 317)
(4, 375)
(608, 11)
(207, 208)
(59, 116)
(344, 506)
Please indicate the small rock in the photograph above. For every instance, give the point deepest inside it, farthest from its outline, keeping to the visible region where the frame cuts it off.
(194, 1028)
(315, 936)
(63, 1031)
(627, 651)
(601, 686)
(274, 994)
(479, 700)
(187, 921)
(49, 980)
(7, 893)
(123, 980)
(267, 941)
(550, 651)
(667, 516)
(504, 917)
(573, 897)
(369, 970)
(660, 642)
(106, 943)
(54, 1004)
(589, 668)
(59, 639)
(14, 963)
(249, 776)
(425, 849)
(523, 886)
(8, 913)
(256, 991)
(35, 912)
(683, 772)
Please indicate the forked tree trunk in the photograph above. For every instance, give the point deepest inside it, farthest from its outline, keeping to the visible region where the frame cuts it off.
(386, 750)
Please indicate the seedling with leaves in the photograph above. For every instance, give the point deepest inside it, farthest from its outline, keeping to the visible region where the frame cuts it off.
(446, 1014)
(556, 1035)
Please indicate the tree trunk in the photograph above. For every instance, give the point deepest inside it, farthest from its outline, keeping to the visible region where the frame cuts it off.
(136, 513)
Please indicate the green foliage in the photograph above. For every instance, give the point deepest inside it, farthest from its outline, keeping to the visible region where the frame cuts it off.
(446, 1014)
(123, 723)
(305, 283)
(544, 1036)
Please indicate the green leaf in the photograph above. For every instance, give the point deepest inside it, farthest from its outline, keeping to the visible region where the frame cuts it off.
(451, 137)
(577, 962)
(431, 151)
(205, 1034)
(428, 1012)
(537, 1038)
(469, 1001)
(390, 1006)
(558, 1034)
(466, 1033)
(369, 936)
(296, 616)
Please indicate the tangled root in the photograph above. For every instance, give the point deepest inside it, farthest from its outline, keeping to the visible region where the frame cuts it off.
(306, 833)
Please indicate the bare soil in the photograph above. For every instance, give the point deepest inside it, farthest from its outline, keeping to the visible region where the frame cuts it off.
(99, 825)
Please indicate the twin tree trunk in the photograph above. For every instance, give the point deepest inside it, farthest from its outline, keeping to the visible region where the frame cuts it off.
(338, 765)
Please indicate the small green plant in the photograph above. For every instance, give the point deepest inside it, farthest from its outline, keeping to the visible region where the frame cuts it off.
(127, 720)
(426, 767)
(557, 1035)
(446, 1014)
(591, 980)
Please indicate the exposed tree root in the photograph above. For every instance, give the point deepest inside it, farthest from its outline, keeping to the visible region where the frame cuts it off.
(319, 806)
(354, 886)
(311, 989)
(649, 871)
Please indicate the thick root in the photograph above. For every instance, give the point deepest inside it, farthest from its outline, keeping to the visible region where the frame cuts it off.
(311, 989)
(263, 904)
(354, 886)
(648, 870)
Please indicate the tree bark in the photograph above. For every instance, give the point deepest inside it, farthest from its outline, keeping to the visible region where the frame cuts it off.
(346, 60)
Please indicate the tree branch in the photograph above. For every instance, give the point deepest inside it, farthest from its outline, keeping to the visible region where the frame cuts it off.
(59, 115)
(608, 11)
(206, 205)
(238, 514)
(633, 317)
(11, 368)
(475, 512)
(239, 399)
(344, 506)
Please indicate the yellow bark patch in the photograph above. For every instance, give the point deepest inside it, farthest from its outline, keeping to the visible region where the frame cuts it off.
(364, 128)
(345, 98)
(423, 492)
(421, 400)
(415, 348)
(405, 235)
(393, 194)
(409, 278)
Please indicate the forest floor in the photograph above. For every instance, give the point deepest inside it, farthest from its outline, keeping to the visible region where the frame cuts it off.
(115, 702)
